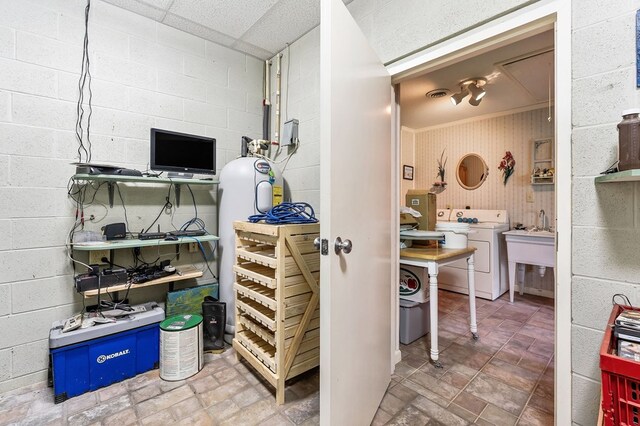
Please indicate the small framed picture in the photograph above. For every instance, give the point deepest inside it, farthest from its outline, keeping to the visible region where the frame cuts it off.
(407, 172)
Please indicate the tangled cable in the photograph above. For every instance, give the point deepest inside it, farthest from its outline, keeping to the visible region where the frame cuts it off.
(287, 213)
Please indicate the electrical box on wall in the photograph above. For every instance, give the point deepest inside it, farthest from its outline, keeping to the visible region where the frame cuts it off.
(290, 133)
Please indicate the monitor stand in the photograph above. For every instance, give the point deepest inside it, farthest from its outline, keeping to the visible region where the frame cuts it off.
(171, 175)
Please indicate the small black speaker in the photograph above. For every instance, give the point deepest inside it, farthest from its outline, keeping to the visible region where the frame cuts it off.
(115, 231)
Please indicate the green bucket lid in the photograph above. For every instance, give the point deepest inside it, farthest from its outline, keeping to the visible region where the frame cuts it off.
(180, 322)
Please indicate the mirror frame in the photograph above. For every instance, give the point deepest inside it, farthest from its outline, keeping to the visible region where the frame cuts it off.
(486, 171)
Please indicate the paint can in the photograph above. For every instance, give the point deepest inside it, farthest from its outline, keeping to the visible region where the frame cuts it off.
(180, 347)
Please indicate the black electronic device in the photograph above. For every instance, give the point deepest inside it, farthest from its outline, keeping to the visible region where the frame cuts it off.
(152, 235)
(182, 153)
(153, 273)
(105, 169)
(115, 231)
(106, 278)
(188, 233)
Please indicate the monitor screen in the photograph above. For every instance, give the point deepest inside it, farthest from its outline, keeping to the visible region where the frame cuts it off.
(179, 152)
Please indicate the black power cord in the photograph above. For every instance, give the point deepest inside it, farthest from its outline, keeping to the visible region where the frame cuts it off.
(84, 81)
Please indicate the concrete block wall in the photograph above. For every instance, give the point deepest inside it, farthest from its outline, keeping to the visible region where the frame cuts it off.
(145, 75)
(606, 219)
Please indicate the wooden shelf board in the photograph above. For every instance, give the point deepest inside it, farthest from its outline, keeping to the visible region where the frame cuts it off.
(626, 176)
(134, 242)
(144, 179)
(186, 272)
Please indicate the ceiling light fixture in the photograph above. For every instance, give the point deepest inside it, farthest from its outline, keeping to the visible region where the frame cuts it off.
(456, 98)
(474, 87)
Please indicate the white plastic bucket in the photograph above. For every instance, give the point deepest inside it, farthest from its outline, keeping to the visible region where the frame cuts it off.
(455, 234)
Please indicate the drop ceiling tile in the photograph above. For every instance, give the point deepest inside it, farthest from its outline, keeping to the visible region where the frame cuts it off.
(231, 17)
(252, 50)
(139, 8)
(197, 29)
(158, 4)
(286, 22)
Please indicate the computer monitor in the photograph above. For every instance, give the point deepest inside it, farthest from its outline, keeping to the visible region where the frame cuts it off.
(182, 153)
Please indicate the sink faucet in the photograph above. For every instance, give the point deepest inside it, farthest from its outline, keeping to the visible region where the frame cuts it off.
(543, 216)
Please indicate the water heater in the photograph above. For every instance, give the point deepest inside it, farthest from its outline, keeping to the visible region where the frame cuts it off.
(248, 185)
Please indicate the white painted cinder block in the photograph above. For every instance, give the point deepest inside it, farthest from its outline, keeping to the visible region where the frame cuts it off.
(34, 263)
(45, 293)
(105, 93)
(5, 364)
(249, 79)
(5, 299)
(585, 400)
(249, 124)
(7, 42)
(230, 98)
(156, 55)
(606, 253)
(5, 106)
(589, 297)
(120, 123)
(123, 21)
(33, 202)
(40, 142)
(591, 11)
(222, 55)
(180, 40)
(32, 326)
(180, 126)
(6, 232)
(30, 357)
(156, 104)
(204, 113)
(43, 112)
(601, 98)
(48, 52)
(596, 49)
(585, 354)
(41, 232)
(28, 16)
(102, 39)
(4, 170)
(179, 85)
(123, 71)
(36, 172)
(594, 149)
(27, 78)
(609, 205)
(206, 69)
(109, 149)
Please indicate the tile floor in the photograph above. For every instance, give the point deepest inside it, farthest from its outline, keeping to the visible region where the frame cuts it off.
(504, 378)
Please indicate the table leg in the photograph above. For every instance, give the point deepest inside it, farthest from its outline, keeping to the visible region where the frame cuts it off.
(512, 280)
(433, 305)
(471, 281)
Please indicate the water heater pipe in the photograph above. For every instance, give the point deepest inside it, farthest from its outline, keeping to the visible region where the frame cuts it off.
(266, 103)
(276, 132)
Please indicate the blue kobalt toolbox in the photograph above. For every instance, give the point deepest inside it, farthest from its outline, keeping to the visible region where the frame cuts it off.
(90, 358)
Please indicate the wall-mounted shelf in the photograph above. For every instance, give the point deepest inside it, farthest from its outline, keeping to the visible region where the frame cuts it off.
(134, 242)
(182, 273)
(542, 157)
(111, 179)
(626, 176)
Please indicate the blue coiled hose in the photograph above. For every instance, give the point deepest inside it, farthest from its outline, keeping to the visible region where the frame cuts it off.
(287, 213)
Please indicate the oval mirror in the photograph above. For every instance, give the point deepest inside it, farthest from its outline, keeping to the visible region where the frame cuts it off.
(472, 171)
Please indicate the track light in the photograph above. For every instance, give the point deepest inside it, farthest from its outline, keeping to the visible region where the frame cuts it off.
(456, 98)
(472, 86)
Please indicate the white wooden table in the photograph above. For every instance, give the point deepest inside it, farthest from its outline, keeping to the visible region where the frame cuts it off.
(433, 258)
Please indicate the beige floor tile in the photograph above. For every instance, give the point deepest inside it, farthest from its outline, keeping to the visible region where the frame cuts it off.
(185, 408)
(163, 401)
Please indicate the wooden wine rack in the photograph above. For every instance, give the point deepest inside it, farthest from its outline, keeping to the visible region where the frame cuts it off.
(277, 272)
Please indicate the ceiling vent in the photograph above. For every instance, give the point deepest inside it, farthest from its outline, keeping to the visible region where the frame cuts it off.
(437, 93)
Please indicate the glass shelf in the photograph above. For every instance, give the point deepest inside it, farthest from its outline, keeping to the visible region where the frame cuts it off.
(134, 242)
(625, 176)
(111, 179)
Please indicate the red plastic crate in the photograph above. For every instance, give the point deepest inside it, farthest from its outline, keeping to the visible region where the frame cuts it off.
(620, 380)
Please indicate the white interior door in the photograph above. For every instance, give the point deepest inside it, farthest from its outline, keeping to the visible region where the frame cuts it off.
(355, 172)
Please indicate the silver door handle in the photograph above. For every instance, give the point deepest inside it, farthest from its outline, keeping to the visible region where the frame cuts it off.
(344, 246)
(316, 243)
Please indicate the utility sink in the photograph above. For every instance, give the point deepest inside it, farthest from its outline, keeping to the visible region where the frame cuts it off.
(530, 248)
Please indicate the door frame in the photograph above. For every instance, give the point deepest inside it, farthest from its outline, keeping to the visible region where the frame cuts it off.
(523, 22)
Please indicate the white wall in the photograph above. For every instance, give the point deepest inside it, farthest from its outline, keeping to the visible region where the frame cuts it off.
(145, 74)
(606, 223)
(490, 137)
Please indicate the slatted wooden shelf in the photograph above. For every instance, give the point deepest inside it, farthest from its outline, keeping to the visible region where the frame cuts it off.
(277, 274)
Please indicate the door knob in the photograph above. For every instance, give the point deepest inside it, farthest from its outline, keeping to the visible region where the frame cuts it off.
(316, 243)
(344, 246)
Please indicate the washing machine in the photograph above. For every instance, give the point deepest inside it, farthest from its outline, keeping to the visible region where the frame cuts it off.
(491, 267)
